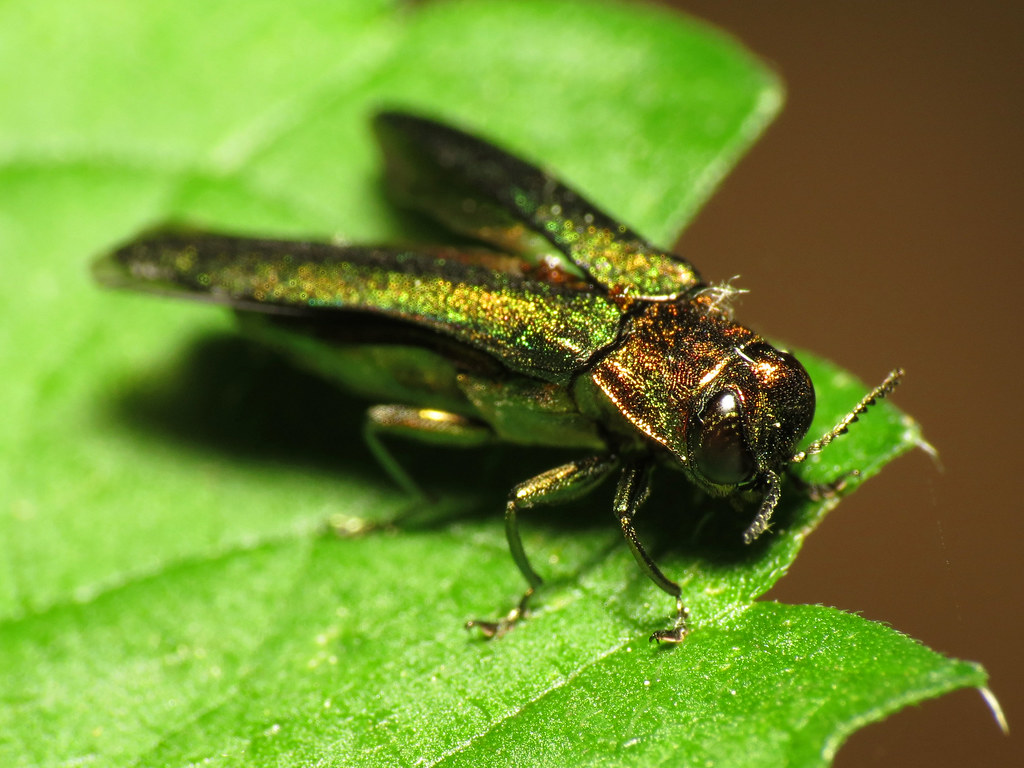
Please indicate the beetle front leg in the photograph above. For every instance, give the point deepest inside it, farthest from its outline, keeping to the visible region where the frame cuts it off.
(564, 483)
(632, 491)
(423, 425)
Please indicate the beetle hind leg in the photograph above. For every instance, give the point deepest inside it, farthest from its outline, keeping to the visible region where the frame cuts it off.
(564, 483)
(424, 425)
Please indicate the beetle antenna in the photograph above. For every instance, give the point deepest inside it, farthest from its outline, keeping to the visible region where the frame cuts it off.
(878, 393)
(764, 514)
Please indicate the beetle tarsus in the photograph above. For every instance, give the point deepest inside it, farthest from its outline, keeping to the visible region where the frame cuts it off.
(501, 627)
(674, 635)
(678, 632)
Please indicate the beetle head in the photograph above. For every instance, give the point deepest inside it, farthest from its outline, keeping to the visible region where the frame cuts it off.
(747, 422)
(749, 418)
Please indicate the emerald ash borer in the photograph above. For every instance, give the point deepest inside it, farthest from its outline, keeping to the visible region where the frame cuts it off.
(559, 327)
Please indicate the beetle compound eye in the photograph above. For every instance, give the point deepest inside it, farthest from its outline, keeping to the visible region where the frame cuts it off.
(721, 453)
(791, 361)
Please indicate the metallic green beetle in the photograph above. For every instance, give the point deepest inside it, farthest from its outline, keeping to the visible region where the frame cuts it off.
(569, 331)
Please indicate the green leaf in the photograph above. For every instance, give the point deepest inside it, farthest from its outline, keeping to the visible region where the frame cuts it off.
(168, 591)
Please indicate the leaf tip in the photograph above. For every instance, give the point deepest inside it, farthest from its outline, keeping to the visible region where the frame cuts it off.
(996, 708)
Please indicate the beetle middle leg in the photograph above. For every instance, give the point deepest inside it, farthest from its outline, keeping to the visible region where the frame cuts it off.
(569, 481)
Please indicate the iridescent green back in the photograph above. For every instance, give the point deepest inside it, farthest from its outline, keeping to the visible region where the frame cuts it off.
(477, 189)
(539, 324)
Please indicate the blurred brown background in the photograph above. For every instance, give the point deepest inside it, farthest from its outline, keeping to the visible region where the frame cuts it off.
(879, 223)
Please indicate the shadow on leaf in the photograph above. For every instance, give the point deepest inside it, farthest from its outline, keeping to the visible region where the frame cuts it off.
(235, 396)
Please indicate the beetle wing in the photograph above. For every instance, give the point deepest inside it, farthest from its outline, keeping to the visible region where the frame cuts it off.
(536, 325)
(475, 188)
